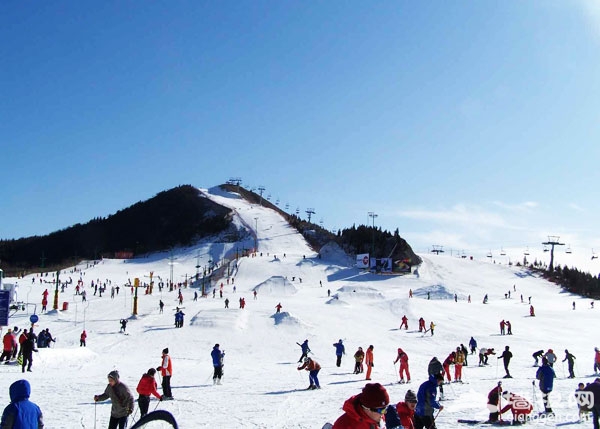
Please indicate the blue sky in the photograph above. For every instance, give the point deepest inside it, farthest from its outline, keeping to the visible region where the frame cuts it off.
(472, 125)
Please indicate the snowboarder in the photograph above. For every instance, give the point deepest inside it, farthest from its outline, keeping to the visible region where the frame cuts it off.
(545, 374)
(365, 410)
(506, 356)
(571, 363)
(121, 398)
(313, 368)
(217, 360)
(519, 407)
(305, 350)
(359, 356)
(403, 358)
(426, 402)
(146, 387)
(369, 361)
(404, 322)
(537, 355)
(166, 370)
(339, 351)
(21, 412)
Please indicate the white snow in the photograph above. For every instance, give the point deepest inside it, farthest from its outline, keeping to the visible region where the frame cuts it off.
(261, 386)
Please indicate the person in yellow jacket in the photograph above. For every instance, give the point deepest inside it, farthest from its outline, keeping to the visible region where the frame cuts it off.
(459, 361)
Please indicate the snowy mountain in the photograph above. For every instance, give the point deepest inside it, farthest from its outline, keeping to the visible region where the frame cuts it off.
(323, 300)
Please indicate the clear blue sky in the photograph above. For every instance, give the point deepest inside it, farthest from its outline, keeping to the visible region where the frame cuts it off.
(466, 124)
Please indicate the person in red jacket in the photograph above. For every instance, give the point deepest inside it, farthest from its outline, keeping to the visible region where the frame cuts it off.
(519, 406)
(404, 322)
(22, 339)
(402, 415)
(146, 387)
(82, 339)
(8, 342)
(365, 410)
(449, 361)
(369, 361)
(403, 358)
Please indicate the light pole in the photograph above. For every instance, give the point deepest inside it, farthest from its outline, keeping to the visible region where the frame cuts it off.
(373, 215)
(255, 234)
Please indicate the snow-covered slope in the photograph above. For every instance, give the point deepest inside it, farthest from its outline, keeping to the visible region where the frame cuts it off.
(262, 388)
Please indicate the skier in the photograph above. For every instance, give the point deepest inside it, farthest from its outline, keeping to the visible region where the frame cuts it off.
(404, 322)
(421, 324)
(531, 311)
(365, 410)
(217, 359)
(596, 360)
(82, 338)
(465, 352)
(506, 356)
(305, 350)
(28, 347)
(594, 388)
(508, 328)
(22, 339)
(537, 355)
(339, 351)
(359, 356)
(519, 406)
(502, 325)
(426, 402)
(21, 412)
(571, 363)
(402, 415)
(313, 369)
(403, 358)
(459, 361)
(369, 361)
(146, 387)
(492, 403)
(123, 325)
(121, 398)
(447, 362)
(473, 345)
(278, 309)
(166, 370)
(545, 374)
(9, 342)
(434, 368)
(161, 306)
(226, 302)
(551, 357)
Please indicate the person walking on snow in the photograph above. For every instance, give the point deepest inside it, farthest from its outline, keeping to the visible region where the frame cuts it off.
(82, 338)
(121, 398)
(313, 369)
(502, 325)
(426, 402)
(508, 328)
(146, 387)
(403, 358)
(166, 370)
(506, 356)
(545, 374)
(571, 363)
(217, 359)
(339, 351)
(459, 361)
(278, 308)
(369, 361)
(473, 345)
(431, 327)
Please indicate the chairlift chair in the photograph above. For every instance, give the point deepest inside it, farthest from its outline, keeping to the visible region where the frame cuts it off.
(594, 256)
(502, 252)
(526, 252)
(568, 250)
(489, 255)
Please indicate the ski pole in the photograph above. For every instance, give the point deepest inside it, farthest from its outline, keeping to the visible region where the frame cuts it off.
(497, 362)
(432, 425)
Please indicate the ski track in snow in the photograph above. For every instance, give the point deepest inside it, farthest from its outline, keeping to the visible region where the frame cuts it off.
(261, 386)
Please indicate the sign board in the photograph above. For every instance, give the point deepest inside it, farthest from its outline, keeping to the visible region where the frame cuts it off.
(362, 260)
(4, 298)
(34, 318)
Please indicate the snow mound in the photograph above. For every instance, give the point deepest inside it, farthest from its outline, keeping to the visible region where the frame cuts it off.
(276, 285)
(360, 292)
(332, 252)
(335, 300)
(285, 318)
(437, 291)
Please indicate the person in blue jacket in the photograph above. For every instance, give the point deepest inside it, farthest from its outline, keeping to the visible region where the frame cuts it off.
(473, 345)
(305, 350)
(546, 375)
(217, 358)
(21, 412)
(426, 402)
(339, 351)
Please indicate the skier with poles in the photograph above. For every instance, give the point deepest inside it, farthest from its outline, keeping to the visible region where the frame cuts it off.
(506, 356)
(313, 369)
(146, 387)
(121, 398)
(493, 403)
(545, 374)
(166, 370)
(426, 402)
(403, 358)
(305, 350)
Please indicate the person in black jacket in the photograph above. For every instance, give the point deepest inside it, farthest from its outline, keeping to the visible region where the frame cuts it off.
(506, 357)
(435, 367)
(571, 362)
(28, 348)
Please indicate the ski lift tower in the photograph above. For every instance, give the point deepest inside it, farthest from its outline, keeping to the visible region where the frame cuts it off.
(437, 249)
(553, 240)
(261, 189)
(310, 212)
